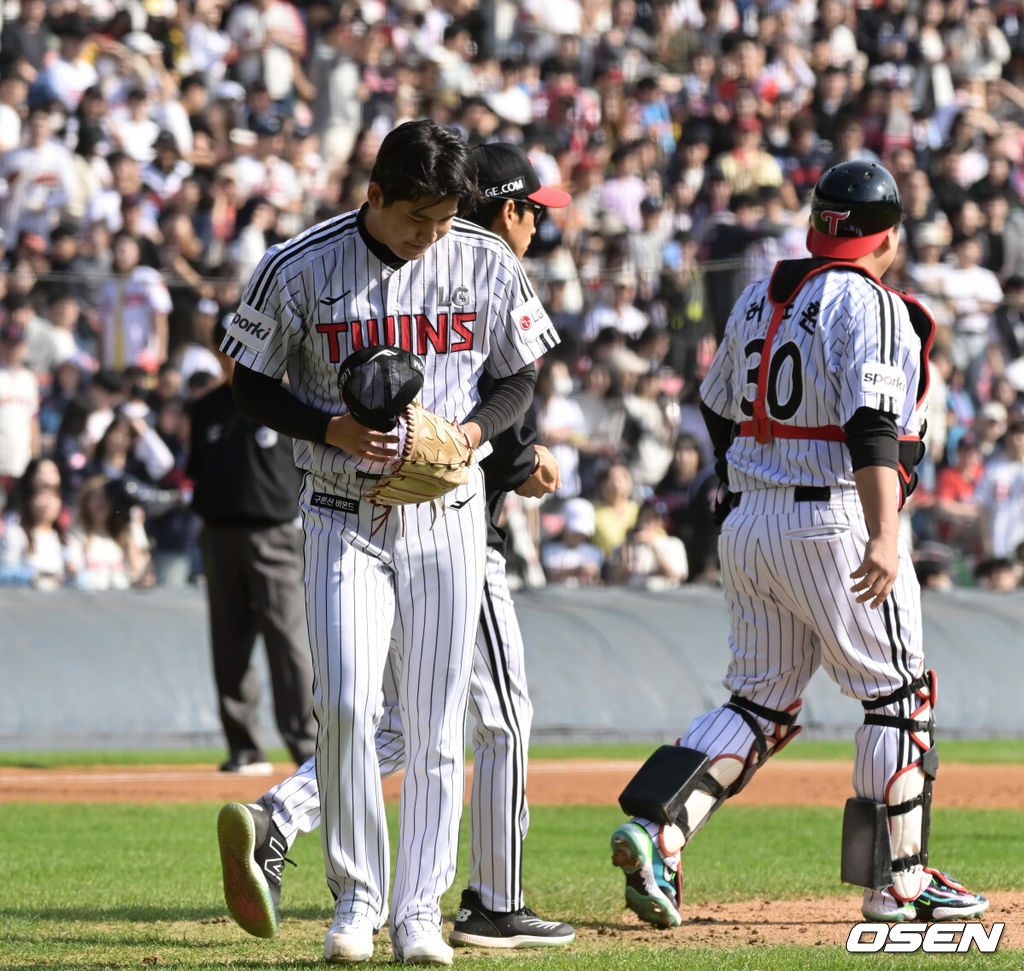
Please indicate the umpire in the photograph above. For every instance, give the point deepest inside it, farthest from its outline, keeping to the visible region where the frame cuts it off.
(246, 488)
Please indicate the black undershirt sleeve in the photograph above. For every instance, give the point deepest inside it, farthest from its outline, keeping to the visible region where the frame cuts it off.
(266, 400)
(872, 439)
(721, 430)
(505, 402)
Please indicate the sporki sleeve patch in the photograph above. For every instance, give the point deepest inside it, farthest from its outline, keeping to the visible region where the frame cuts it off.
(251, 327)
(884, 379)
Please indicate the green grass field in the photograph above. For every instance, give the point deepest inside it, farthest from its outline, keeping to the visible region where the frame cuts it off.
(1006, 750)
(133, 886)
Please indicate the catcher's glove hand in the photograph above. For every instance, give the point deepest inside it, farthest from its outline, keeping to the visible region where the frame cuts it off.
(435, 459)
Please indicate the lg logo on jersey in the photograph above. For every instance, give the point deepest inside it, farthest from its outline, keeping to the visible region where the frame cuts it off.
(459, 297)
(945, 938)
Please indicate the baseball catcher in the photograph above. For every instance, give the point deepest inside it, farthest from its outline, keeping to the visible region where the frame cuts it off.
(814, 405)
(379, 386)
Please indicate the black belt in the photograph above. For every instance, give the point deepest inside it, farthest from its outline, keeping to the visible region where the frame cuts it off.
(811, 493)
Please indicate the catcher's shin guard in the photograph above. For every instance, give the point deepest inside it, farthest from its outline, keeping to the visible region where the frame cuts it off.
(908, 799)
(681, 787)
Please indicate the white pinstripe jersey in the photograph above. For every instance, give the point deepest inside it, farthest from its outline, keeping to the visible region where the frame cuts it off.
(464, 305)
(844, 343)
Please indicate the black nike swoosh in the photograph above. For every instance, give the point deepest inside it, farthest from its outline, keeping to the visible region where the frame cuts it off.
(331, 300)
(460, 503)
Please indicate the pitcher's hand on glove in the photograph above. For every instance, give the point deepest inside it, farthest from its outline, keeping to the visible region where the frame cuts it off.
(435, 460)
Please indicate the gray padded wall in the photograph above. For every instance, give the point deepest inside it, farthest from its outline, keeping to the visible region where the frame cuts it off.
(132, 669)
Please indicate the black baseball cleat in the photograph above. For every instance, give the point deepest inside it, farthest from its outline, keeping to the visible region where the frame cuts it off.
(477, 926)
(946, 899)
(252, 855)
(247, 763)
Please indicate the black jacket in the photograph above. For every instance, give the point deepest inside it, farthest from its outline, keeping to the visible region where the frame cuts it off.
(243, 473)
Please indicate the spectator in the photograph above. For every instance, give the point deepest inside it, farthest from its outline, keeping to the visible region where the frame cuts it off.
(38, 180)
(748, 166)
(622, 194)
(616, 510)
(171, 525)
(1008, 326)
(954, 509)
(35, 548)
(68, 75)
(164, 174)
(604, 418)
(19, 408)
(130, 448)
(14, 87)
(990, 427)
(26, 36)
(931, 276)
(999, 574)
(270, 40)
(106, 529)
(207, 43)
(65, 385)
(650, 558)
(1002, 236)
(643, 248)
(42, 353)
(575, 99)
(974, 294)
(685, 498)
(560, 423)
(133, 310)
(572, 559)
(619, 311)
(253, 227)
(136, 130)
(1000, 496)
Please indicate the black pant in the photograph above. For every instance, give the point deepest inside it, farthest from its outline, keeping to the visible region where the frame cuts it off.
(254, 585)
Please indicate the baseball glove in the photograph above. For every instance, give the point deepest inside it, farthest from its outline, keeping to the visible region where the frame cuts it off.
(435, 459)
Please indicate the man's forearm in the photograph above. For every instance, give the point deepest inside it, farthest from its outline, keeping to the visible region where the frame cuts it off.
(878, 488)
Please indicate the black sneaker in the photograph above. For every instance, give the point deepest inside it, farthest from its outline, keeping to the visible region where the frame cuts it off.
(247, 763)
(252, 855)
(476, 925)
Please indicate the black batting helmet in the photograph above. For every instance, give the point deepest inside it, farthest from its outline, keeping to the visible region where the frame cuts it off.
(853, 206)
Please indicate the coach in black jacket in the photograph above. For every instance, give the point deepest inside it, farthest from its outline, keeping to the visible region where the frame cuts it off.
(246, 488)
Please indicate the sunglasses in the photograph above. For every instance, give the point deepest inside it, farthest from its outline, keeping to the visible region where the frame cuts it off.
(537, 210)
(522, 205)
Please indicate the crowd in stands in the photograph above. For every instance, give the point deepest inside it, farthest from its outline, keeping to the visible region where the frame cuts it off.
(151, 151)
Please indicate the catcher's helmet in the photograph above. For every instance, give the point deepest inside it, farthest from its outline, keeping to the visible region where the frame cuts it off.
(853, 206)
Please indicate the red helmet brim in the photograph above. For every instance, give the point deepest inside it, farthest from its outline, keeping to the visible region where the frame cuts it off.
(843, 247)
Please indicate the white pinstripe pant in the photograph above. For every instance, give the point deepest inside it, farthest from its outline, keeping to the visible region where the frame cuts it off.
(423, 586)
(786, 570)
(502, 715)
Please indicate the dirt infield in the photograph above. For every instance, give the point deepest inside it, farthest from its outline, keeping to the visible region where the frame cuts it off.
(584, 782)
(816, 922)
